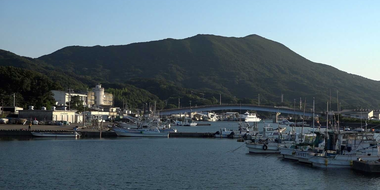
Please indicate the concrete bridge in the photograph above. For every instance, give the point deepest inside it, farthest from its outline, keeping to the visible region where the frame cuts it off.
(235, 107)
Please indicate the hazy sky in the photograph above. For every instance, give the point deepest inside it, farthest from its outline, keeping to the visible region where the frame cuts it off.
(344, 34)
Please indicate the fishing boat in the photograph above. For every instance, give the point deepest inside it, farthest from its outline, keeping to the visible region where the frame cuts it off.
(151, 132)
(245, 130)
(304, 147)
(267, 142)
(343, 147)
(189, 122)
(56, 134)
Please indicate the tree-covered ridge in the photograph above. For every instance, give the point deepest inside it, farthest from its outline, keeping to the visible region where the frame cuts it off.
(127, 94)
(241, 68)
(64, 79)
(30, 88)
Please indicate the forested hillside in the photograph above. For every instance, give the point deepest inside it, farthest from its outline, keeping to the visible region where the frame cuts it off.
(238, 68)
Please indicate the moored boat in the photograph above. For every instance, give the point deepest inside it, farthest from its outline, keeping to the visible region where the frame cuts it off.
(267, 142)
(345, 147)
(152, 132)
(56, 134)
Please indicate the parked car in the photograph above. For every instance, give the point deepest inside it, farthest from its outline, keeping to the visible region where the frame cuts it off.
(4, 120)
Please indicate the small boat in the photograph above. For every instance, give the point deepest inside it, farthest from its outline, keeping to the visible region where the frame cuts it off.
(152, 132)
(251, 117)
(268, 142)
(189, 122)
(56, 134)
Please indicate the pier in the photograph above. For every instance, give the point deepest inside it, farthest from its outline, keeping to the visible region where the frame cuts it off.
(95, 134)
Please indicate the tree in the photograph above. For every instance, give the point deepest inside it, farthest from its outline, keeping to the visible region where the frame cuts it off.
(76, 103)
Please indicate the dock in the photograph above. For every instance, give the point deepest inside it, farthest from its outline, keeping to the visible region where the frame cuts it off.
(191, 135)
(96, 134)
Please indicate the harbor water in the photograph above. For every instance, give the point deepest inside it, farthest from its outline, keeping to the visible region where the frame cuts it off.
(161, 163)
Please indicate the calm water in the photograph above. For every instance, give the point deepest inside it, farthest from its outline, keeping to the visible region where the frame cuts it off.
(160, 163)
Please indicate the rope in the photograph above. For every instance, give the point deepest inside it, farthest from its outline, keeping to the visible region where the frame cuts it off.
(237, 148)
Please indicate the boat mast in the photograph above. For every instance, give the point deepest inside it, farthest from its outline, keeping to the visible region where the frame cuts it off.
(303, 121)
(294, 115)
(327, 126)
(337, 107)
(313, 111)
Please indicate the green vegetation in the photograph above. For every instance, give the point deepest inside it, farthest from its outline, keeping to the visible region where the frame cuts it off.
(200, 69)
(29, 87)
(76, 104)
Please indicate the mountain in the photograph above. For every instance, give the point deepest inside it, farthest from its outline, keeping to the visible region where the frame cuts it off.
(32, 80)
(64, 80)
(234, 67)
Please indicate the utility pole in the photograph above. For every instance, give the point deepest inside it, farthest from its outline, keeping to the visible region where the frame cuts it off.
(69, 98)
(190, 109)
(258, 100)
(179, 103)
(300, 103)
(313, 111)
(294, 108)
(14, 100)
(220, 99)
(282, 98)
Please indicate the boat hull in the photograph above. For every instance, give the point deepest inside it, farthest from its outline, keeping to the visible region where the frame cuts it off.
(141, 132)
(339, 161)
(129, 134)
(41, 134)
(258, 148)
(288, 153)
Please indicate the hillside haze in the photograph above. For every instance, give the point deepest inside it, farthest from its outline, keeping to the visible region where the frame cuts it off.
(242, 67)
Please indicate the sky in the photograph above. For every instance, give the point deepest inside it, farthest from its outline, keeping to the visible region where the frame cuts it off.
(343, 34)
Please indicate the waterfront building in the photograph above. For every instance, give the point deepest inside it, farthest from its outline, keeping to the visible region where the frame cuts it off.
(11, 110)
(95, 98)
(98, 98)
(51, 115)
(62, 97)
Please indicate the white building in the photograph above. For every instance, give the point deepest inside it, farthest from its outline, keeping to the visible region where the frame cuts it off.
(51, 115)
(62, 97)
(95, 98)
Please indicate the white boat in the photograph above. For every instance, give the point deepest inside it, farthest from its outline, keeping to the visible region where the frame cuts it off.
(212, 116)
(267, 142)
(250, 117)
(264, 147)
(303, 147)
(189, 122)
(244, 131)
(225, 133)
(152, 132)
(349, 146)
(127, 125)
(56, 134)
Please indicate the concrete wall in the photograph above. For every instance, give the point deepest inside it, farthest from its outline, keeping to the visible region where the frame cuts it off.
(40, 115)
